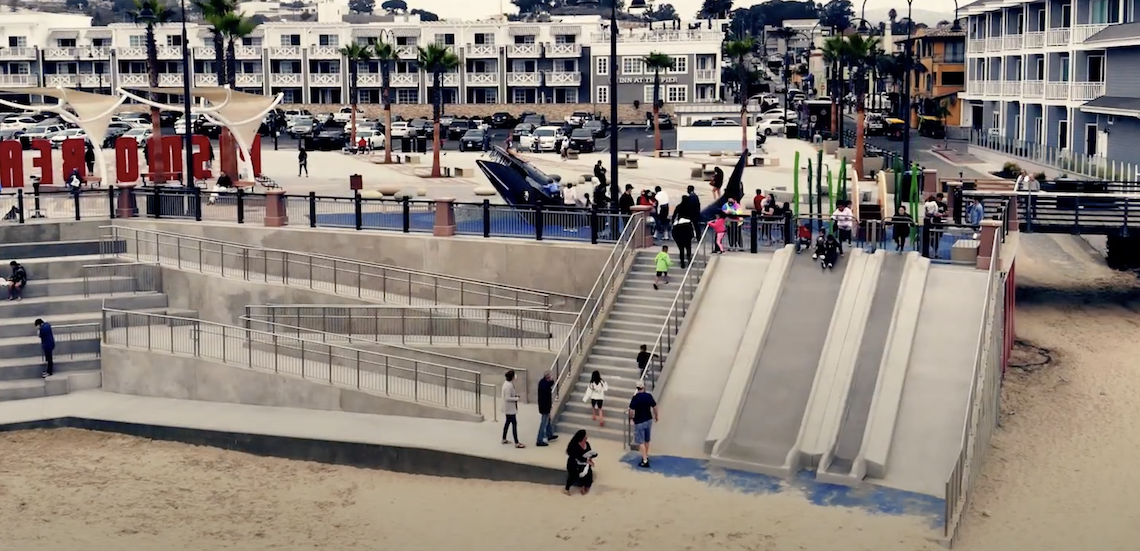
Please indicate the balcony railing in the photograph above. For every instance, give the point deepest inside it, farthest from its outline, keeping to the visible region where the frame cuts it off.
(1057, 37)
(993, 88)
(1012, 42)
(52, 81)
(1057, 90)
(170, 79)
(1081, 33)
(170, 52)
(407, 52)
(993, 44)
(1011, 89)
(92, 80)
(1033, 89)
(522, 79)
(205, 79)
(72, 54)
(482, 50)
(133, 79)
(204, 52)
(19, 80)
(405, 79)
(1087, 91)
(18, 52)
(522, 50)
(706, 75)
(285, 52)
(285, 79)
(663, 36)
(325, 79)
(1033, 40)
(250, 80)
(368, 79)
(247, 52)
(563, 50)
(977, 46)
(131, 52)
(450, 79)
(482, 79)
(563, 78)
(324, 52)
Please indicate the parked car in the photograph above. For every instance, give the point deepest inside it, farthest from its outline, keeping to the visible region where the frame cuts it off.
(141, 135)
(536, 120)
(526, 140)
(582, 139)
(43, 131)
(445, 120)
(18, 122)
(374, 139)
(578, 118)
(458, 128)
(71, 133)
(664, 121)
(502, 120)
(345, 114)
(547, 138)
(874, 124)
(768, 127)
(328, 139)
(302, 127)
(597, 128)
(472, 140)
(400, 129)
(716, 121)
(521, 129)
(422, 127)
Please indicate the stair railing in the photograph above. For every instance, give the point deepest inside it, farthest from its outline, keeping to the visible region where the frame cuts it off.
(663, 346)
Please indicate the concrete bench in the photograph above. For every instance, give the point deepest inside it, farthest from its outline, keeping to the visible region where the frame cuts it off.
(464, 172)
(765, 161)
(412, 159)
(631, 163)
(388, 191)
(714, 153)
(485, 191)
(572, 154)
(965, 251)
(669, 153)
(697, 173)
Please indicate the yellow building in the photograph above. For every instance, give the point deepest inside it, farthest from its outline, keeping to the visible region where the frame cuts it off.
(943, 53)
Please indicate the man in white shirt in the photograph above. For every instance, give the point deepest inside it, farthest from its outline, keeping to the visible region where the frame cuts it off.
(662, 199)
(844, 218)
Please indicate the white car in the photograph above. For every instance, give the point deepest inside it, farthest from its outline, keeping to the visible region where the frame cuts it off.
(18, 122)
(547, 138)
(43, 131)
(345, 114)
(526, 139)
(71, 133)
(400, 129)
(773, 114)
(141, 135)
(374, 139)
(769, 127)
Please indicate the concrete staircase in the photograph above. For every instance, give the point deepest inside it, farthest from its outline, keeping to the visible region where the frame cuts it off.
(58, 294)
(635, 319)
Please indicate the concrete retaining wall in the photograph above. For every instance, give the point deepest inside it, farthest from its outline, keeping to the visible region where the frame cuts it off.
(754, 335)
(142, 373)
(37, 232)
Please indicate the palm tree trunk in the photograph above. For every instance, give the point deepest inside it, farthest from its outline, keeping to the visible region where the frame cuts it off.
(385, 76)
(352, 89)
(156, 158)
(231, 63)
(743, 106)
(436, 113)
(220, 57)
(656, 109)
(860, 141)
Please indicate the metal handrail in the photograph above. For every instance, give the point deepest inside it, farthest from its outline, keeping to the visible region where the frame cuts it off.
(609, 277)
(521, 372)
(145, 280)
(350, 270)
(72, 336)
(355, 358)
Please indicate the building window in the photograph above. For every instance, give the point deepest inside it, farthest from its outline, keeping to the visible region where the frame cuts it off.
(19, 41)
(252, 41)
(677, 94)
(407, 95)
(406, 41)
(290, 96)
(602, 65)
(524, 66)
(524, 39)
(329, 40)
(953, 78)
(173, 40)
(566, 66)
(602, 94)
(519, 96)
(565, 38)
(135, 41)
(65, 43)
(290, 40)
(680, 65)
(565, 95)
(647, 95)
(487, 39)
(631, 66)
(445, 39)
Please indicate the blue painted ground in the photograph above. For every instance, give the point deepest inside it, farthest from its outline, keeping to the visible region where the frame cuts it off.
(502, 225)
(873, 499)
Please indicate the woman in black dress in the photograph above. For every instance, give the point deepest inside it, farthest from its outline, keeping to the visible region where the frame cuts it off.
(579, 463)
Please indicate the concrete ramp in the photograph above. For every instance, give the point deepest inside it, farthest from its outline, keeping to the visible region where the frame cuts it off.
(767, 424)
(704, 362)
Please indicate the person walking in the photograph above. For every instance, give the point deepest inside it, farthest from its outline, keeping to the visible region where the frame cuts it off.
(975, 215)
(47, 344)
(734, 219)
(579, 463)
(89, 159)
(643, 357)
(683, 230)
(596, 396)
(643, 412)
(717, 182)
(303, 162)
(694, 204)
(845, 221)
(545, 404)
(662, 262)
(511, 409)
(901, 223)
(662, 211)
(600, 173)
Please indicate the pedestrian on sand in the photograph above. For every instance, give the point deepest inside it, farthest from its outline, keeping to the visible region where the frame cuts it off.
(303, 162)
(662, 262)
(579, 463)
(643, 412)
(545, 403)
(511, 409)
(900, 228)
(596, 395)
(47, 344)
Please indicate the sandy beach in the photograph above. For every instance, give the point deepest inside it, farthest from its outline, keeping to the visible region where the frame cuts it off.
(1057, 477)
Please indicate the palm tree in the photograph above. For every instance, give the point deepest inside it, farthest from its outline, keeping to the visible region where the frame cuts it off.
(152, 13)
(835, 53)
(436, 59)
(656, 61)
(214, 12)
(235, 27)
(386, 54)
(355, 54)
(862, 56)
(738, 51)
(943, 112)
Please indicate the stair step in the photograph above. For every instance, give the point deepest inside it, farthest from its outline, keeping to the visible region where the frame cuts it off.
(615, 408)
(66, 344)
(569, 423)
(74, 286)
(23, 251)
(638, 327)
(25, 326)
(14, 369)
(610, 370)
(645, 337)
(45, 307)
(62, 267)
(626, 316)
(58, 384)
(663, 302)
(617, 352)
(631, 346)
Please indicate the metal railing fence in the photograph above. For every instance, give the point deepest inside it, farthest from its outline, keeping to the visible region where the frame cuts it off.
(121, 278)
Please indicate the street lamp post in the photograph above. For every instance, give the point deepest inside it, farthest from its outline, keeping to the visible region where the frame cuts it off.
(187, 74)
(907, 66)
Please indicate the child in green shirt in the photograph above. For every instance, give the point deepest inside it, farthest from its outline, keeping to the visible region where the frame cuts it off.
(663, 262)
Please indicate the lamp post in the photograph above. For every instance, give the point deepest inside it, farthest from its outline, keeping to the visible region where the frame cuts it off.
(187, 101)
(907, 67)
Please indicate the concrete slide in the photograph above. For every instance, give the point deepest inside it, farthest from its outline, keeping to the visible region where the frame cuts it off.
(767, 424)
(702, 367)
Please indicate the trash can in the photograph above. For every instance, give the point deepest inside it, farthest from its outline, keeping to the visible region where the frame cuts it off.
(406, 144)
(421, 144)
(792, 132)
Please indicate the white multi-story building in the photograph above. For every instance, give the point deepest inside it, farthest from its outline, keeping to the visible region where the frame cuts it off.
(565, 60)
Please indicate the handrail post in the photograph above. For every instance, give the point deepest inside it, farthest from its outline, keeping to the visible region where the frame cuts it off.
(198, 204)
(358, 210)
(753, 237)
(312, 209)
(538, 223)
(75, 200)
(407, 214)
(594, 225)
(20, 204)
(486, 218)
(240, 206)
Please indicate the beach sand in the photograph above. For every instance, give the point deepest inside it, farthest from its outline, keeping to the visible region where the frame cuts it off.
(1057, 478)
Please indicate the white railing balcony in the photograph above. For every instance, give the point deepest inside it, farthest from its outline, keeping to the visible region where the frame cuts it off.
(169, 52)
(523, 50)
(1033, 40)
(482, 50)
(247, 52)
(1057, 37)
(18, 52)
(993, 44)
(1012, 42)
(1087, 91)
(19, 80)
(522, 79)
(404, 80)
(706, 75)
(285, 52)
(92, 80)
(483, 79)
(250, 80)
(325, 79)
(62, 54)
(51, 81)
(285, 79)
(407, 52)
(449, 79)
(1033, 89)
(91, 52)
(205, 52)
(170, 80)
(324, 52)
(993, 88)
(1081, 33)
(563, 78)
(563, 50)
(1011, 89)
(663, 36)
(134, 79)
(1057, 91)
(368, 79)
(205, 79)
(132, 52)
(977, 46)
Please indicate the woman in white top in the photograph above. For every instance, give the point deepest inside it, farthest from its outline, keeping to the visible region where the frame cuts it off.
(596, 394)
